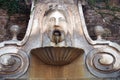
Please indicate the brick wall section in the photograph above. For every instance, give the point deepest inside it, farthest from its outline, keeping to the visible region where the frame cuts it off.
(110, 20)
(7, 21)
(93, 18)
(3, 22)
(20, 20)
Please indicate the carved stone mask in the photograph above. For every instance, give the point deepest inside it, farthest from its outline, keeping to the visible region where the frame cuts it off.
(55, 24)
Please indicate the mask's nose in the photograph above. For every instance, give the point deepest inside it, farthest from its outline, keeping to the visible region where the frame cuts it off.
(56, 21)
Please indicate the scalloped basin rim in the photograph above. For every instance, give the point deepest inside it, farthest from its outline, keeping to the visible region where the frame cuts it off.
(57, 55)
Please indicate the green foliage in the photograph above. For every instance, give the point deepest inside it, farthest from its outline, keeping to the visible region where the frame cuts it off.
(115, 9)
(92, 2)
(12, 6)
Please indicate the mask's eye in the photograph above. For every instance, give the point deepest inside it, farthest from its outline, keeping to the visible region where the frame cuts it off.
(52, 19)
(62, 19)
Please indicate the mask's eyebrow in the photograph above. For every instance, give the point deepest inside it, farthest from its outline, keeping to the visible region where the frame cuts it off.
(48, 12)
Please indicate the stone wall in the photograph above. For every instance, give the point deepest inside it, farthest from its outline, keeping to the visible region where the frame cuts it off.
(109, 19)
(3, 22)
(7, 21)
(94, 16)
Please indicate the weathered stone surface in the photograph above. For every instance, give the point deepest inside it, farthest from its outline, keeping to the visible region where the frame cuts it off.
(100, 5)
(76, 35)
(93, 16)
(3, 23)
(117, 14)
(107, 18)
(93, 19)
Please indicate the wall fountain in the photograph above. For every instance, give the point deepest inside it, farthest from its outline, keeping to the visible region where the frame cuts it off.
(57, 46)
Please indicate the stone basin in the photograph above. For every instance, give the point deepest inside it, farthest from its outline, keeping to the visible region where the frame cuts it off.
(57, 56)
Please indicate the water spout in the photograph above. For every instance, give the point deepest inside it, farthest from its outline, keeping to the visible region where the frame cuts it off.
(56, 36)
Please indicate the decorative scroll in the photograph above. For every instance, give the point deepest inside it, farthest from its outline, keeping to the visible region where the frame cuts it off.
(13, 62)
(103, 62)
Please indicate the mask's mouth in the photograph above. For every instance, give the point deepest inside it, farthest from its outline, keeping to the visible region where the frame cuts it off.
(56, 36)
(56, 33)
